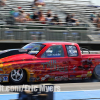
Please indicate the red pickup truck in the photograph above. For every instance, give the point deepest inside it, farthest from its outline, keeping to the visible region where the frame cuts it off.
(49, 61)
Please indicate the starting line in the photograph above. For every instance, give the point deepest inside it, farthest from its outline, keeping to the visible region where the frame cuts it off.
(66, 95)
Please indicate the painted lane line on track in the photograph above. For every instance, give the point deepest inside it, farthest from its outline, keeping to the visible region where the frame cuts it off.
(77, 95)
(10, 94)
(81, 90)
(64, 95)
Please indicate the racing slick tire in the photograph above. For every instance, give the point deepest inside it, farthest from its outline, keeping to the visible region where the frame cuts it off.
(96, 72)
(17, 76)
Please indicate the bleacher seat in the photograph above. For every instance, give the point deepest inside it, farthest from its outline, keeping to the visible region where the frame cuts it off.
(33, 29)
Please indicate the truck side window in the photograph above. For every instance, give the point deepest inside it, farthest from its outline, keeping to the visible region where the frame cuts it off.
(53, 51)
(72, 50)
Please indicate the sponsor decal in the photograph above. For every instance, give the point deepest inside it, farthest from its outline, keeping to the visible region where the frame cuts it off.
(86, 64)
(5, 79)
(54, 66)
(43, 78)
(58, 78)
(38, 78)
(97, 60)
(84, 75)
(72, 76)
(79, 76)
(0, 79)
(51, 79)
(76, 78)
(46, 76)
(66, 69)
(65, 78)
(32, 79)
(89, 73)
(74, 68)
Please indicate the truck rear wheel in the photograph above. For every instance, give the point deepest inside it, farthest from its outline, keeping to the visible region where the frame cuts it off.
(96, 72)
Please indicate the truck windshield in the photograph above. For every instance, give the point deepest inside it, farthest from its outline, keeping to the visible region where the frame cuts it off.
(34, 47)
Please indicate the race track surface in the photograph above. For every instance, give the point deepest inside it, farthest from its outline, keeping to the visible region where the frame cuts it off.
(71, 90)
(64, 86)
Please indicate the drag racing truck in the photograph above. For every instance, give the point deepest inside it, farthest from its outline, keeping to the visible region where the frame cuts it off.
(48, 61)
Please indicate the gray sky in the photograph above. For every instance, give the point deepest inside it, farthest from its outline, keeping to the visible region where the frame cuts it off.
(97, 2)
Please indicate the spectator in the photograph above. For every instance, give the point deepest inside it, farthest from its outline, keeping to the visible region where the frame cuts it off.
(73, 18)
(42, 18)
(12, 11)
(60, 22)
(22, 17)
(49, 18)
(10, 19)
(23, 13)
(56, 19)
(19, 7)
(98, 22)
(31, 15)
(40, 11)
(93, 17)
(35, 17)
(49, 13)
(2, 3)
(28, 17)
(68, 18)
(39, 2)
(15, 13)
(52, 22)
(98, 15)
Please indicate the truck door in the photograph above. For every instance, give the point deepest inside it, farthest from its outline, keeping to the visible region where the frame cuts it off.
(56, 64)
(74, 55)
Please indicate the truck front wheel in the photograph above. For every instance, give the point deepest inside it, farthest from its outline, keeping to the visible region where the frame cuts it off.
(17, 76)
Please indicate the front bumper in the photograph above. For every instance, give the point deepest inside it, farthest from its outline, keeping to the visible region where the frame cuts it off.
(4, 78)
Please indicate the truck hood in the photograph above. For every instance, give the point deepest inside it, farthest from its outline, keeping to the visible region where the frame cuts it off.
(4, 51)
(18, 57)
(8, 50)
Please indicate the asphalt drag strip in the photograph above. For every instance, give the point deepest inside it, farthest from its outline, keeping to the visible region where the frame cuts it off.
(71, 90)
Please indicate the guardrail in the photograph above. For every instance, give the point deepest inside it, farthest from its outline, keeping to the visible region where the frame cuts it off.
(55, 33)
(39, 32)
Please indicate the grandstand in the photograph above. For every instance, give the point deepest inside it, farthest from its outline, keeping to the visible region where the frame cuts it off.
(85, 32)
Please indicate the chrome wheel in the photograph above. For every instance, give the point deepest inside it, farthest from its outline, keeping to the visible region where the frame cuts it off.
(17, 75)
(97, 70)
